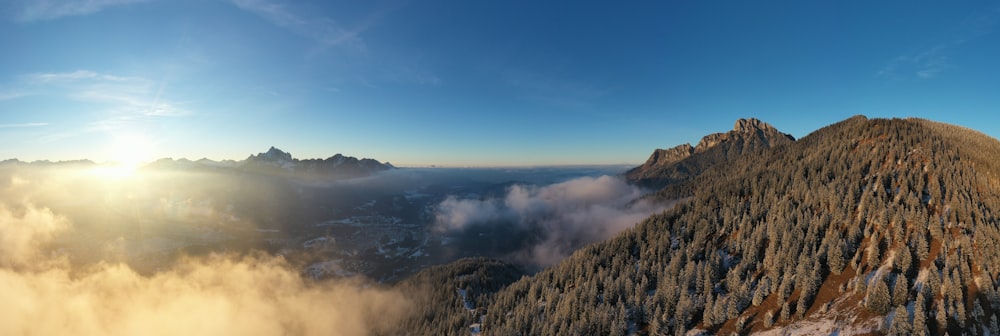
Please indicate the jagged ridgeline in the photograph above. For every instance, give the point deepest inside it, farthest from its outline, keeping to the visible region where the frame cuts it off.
(864, 226)
(681, 163)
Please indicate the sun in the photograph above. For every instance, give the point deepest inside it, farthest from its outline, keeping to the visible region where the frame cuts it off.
(131, 149)
(127, 152)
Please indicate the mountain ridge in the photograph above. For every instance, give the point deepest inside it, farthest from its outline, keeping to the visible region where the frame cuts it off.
(274, 161)
(682, 162)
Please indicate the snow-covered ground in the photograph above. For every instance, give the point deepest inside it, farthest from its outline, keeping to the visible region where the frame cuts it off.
(824, 326)
(365, 221)
(475, 328)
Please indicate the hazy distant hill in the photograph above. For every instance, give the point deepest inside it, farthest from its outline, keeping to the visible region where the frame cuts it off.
(683, 162)
(865, 226)
(277, 162)
(274, 161)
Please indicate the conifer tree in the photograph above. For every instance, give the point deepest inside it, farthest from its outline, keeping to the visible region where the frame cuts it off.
(900, 322)
(835, 257)
(920, 317)
(900, 291)
(878, 300)
(786, 311)
(940, 315)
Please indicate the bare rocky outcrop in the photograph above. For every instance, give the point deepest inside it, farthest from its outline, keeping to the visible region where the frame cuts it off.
(667, 166)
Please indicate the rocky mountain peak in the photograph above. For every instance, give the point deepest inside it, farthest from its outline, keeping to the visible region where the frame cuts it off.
(751, 125)
(744, 127)
(662, 157)
(710, 141)
(682, 162)
(277, 161)
(275, 154)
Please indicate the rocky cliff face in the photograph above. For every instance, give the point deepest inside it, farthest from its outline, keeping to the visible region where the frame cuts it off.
(666, 166)
(663, 157)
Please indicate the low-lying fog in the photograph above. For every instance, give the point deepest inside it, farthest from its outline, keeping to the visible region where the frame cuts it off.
(229, 252)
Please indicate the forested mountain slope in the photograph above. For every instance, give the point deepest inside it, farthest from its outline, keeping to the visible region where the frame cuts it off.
(450, 299)
(887, 226)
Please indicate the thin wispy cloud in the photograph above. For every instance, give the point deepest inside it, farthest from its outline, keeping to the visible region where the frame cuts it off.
(924, 65)
(930, 62)
(11, 95)
(42, 10)
(122, 94)
(24, 125)
(327, 33)
(323, 30)
(76, 75)
(120, 102)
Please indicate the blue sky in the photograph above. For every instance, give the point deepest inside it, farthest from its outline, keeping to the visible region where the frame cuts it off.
(474, 82)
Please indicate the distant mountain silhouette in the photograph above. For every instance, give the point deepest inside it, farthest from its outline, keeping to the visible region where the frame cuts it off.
(274, 161)
(277, 162)
(40, 163)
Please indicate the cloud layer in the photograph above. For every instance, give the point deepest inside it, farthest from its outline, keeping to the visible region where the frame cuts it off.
(564, 216)
(21, 234)
(217, 295)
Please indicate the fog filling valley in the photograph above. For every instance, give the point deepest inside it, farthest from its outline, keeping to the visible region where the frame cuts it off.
(180, 252)
(557, 219)
(250, 295)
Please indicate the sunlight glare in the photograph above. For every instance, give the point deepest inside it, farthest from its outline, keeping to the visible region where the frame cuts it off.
(113, 171)
(127, 153)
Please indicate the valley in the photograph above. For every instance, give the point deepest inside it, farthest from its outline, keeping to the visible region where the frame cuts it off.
(867, 226)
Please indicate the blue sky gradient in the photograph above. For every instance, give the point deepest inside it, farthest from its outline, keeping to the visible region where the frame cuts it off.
(475, 83)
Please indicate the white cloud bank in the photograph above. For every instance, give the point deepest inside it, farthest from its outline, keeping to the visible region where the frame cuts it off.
(567, 215)
(219, 295)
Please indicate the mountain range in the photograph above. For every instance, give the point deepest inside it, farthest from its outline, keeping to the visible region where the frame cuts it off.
(866, 226)
(277, 161)
(273, 161)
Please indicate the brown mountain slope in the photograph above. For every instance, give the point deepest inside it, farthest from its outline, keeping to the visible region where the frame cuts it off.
(864, 226)
(681, 163)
